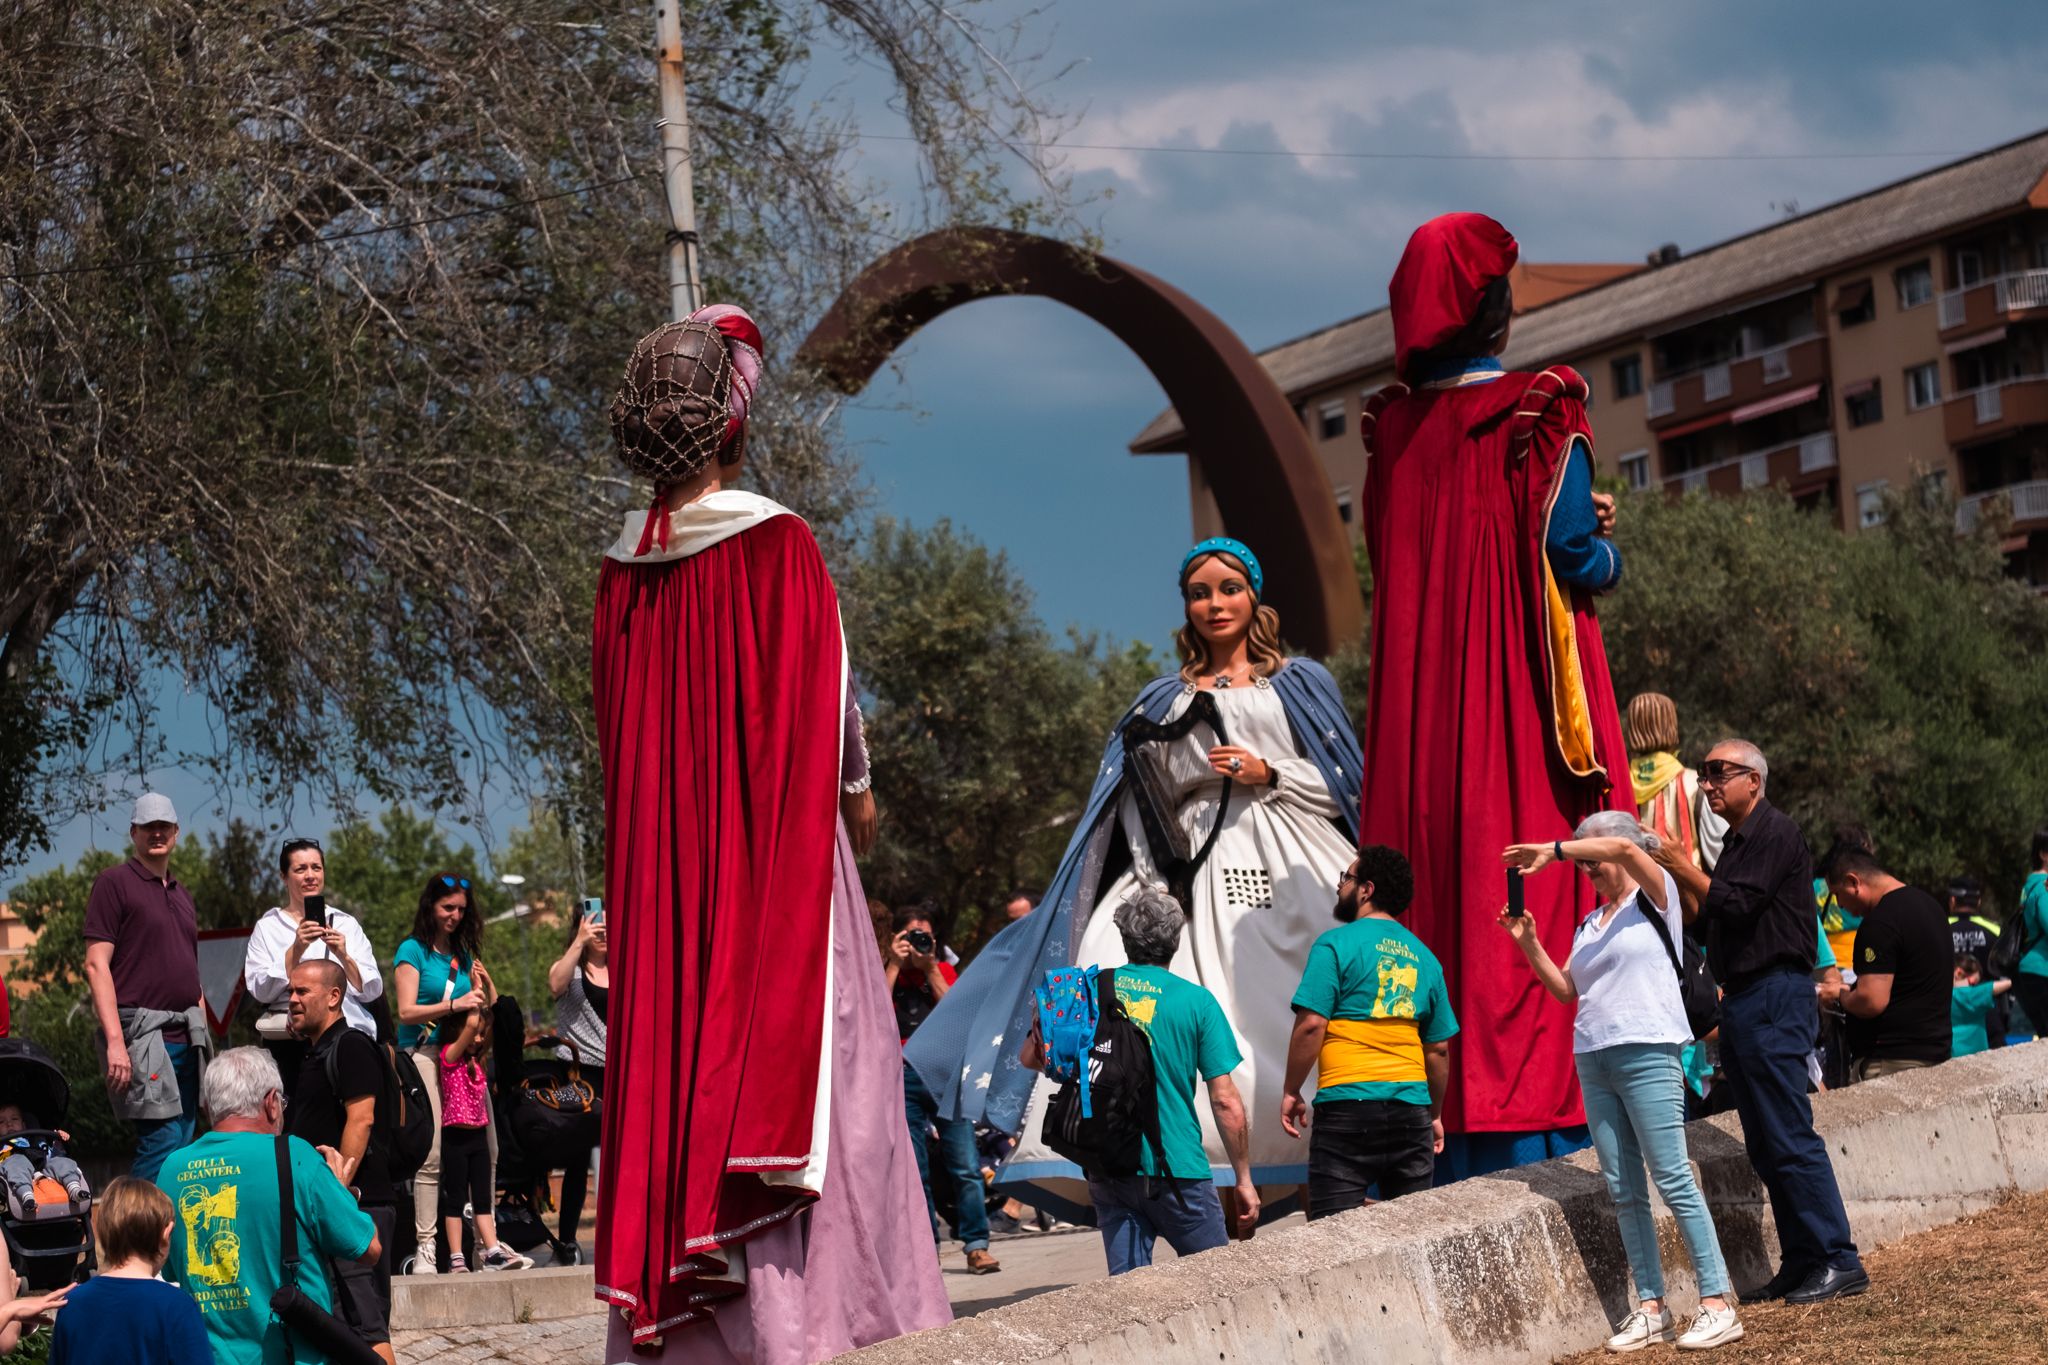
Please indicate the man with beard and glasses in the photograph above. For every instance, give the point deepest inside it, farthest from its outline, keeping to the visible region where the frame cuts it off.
(1373, 1016)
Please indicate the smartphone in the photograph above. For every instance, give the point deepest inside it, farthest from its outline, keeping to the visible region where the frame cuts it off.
(593, 910)
(1515, 908)
(316, 909)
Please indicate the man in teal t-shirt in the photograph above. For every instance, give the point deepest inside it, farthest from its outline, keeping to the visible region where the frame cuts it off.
(227, 1246)
(1373, 1015)
(1174, 1195)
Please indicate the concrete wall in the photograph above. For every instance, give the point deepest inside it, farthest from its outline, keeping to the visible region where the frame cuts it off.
(1524, 1265)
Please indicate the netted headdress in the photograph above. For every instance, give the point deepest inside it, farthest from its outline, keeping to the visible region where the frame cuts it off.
(666, 369)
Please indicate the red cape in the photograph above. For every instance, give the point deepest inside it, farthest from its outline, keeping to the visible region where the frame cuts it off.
(719, 686)
(1492, 717)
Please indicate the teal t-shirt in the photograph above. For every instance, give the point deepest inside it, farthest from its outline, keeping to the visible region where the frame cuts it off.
(225, 1245)
(1824, 956)
(433, 968)
(1969, 1019)
(1191, 1042)
(2034, 949)
(1383, 992)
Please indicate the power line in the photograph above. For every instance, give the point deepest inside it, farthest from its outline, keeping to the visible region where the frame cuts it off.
(1445, 156)
(405, 225)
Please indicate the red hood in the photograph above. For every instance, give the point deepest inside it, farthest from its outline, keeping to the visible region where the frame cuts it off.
(1435, 290)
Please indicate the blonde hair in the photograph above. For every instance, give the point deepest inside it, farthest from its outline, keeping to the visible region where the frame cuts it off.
(129, 1218)
(1652, 725)
(1262, 645)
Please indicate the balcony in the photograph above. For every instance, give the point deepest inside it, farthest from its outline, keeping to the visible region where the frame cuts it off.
(1975, 414)
(1801, 465)
(1678, 399)
(2029, 506)
(1989, 303)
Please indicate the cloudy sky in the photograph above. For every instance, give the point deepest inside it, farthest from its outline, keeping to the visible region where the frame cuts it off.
(1015, 414)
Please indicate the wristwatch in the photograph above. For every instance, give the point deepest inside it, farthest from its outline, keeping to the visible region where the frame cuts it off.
(1557, 849)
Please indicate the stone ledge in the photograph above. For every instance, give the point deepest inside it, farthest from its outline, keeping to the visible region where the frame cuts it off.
(485, 1298)
(1523, 1265)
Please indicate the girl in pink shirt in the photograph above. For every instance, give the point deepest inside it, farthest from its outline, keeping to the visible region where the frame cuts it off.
(465, 1154)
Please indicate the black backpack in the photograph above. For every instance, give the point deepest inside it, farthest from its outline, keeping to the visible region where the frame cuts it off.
(2010, 947)
(1123, 1097)
(1697, 989)
(403, 1131)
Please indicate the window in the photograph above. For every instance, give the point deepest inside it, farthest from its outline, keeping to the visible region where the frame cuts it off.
(1864, 404)
(1870, 504)
(1635, 469)
(2041, 253)
(1330, 420)
(1343, 504)
(1628, 376)
(1915, 282)
(1969, 268)
(1923, 386)
(1855, 303)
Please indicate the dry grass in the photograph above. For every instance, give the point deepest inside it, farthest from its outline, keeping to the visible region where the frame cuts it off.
(1971, 1293)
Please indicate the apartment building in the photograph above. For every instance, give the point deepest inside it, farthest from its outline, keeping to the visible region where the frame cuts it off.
(1896, 336)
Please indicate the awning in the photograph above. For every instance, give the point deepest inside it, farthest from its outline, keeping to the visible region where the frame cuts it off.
(1763, 407)
(1971, 343)
(1852, 296)
(1859, 388)
(1688, 428)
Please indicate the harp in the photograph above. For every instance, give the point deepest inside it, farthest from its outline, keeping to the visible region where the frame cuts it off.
(1177, 850)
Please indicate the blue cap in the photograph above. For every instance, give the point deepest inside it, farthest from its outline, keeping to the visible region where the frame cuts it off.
(1237, 548)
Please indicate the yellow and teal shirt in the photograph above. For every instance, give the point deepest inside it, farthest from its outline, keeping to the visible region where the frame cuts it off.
(1383, 993)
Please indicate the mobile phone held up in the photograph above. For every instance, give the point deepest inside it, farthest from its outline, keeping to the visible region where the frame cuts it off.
(1515, 907)
(593, 911)
(316, 909)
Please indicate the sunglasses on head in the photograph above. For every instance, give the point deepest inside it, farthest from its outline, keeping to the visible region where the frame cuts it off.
(453, 882)
(1720, 770)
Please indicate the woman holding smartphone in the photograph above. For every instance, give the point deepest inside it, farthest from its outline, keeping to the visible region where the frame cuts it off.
(580, 981)
(1627, 1036)
(306, 929)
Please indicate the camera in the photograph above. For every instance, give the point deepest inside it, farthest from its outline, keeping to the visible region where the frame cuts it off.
(920, 942)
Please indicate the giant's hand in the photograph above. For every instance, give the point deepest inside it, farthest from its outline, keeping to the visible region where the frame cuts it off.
(862, 822)
(1604, 509)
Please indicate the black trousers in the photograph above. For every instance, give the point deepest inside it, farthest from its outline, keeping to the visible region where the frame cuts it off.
(1356, 1144)
(2032, 993)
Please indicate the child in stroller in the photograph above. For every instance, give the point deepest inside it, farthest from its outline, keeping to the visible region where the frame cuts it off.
(32, 1155)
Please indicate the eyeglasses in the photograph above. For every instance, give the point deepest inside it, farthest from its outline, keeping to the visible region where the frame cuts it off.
(452, 882)
(1719, 770)
(1350, 875)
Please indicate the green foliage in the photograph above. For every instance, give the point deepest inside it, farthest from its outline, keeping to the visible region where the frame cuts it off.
(376, 872)
(59, 1020)
(983, 734)
(231, 877)
(1895, 678)
(1351, 663)
(52, 905)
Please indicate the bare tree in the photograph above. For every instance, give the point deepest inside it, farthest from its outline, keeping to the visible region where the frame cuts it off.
(309, 313)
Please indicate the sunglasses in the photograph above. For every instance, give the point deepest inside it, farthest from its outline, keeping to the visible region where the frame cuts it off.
(1719, 770)
(453, 882)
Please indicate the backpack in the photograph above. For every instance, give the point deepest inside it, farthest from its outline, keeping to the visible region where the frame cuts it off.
(403, 1130)
(1697, 989)
(2009, 948)
(1107, 1107)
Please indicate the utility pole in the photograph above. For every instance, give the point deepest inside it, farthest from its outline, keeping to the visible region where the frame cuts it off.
(686, 290)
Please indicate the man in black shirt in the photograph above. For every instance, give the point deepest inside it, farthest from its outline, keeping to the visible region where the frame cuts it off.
(339, 1110)
(1905, 968)
(1761, 941)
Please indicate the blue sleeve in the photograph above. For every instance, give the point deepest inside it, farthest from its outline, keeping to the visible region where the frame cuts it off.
(1442, 1023)
(410, 954)
(185, 1333)
(1825, 957)
(1317, 992)
(1579, 555)
(331, 1220)
(1215, 1043)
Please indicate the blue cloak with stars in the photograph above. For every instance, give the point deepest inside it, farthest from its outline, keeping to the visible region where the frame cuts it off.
(966, 1051)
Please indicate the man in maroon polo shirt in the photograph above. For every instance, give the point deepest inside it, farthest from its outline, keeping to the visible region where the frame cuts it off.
(142, 966)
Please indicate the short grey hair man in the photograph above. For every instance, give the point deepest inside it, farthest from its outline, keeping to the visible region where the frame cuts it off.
(1150, 923)
(238, 1083)
(1749, 756)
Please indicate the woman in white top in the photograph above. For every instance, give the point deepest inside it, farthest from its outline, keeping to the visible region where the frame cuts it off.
(284, 937)
(1626, 1040)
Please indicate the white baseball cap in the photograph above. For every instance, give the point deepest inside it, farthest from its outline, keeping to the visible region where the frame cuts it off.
(150, 807)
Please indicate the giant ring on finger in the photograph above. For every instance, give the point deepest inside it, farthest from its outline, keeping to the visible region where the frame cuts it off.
(1237, 765)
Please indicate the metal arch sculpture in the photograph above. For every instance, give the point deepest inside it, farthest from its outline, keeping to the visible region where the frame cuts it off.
(1242, 432)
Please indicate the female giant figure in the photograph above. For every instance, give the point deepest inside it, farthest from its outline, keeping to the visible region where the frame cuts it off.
(760, 1202)
(1255, 904)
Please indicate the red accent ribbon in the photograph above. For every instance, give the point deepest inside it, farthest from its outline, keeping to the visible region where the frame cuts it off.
(655, 532)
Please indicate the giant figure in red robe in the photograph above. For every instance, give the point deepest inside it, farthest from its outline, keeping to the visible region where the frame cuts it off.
(759, 1199)
(1491, 718)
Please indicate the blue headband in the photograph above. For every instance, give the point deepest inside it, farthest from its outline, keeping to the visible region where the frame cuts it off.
(1237, 548)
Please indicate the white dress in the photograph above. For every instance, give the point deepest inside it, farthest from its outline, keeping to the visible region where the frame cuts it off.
(1265, 894)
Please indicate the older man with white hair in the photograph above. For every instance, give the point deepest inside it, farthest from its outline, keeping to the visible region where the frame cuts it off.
(1761, 942)
(228, 1189)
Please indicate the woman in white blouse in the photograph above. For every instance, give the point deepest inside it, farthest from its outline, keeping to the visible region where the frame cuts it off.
(284, 937)
(1626, 1039)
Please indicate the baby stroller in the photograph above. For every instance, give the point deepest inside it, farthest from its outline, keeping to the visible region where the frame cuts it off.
(52, 1244)
(547, 1116)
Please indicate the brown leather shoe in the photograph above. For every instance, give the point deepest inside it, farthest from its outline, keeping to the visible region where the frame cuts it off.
(982, 1263)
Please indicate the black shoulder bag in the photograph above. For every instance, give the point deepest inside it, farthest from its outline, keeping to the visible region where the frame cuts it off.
(333, 1337)
(1697, 990)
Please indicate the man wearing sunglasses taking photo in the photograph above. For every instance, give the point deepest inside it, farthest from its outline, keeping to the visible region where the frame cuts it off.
(1758, 912)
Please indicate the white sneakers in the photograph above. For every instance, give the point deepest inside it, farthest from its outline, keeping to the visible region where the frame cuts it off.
(419, 1265)
(1640, 1330)
(502, 1257)
(1713, 1327)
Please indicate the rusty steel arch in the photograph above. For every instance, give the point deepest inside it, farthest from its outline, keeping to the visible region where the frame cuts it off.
(1242, 432)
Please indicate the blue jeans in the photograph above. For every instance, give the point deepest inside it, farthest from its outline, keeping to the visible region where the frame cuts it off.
(1635, 1106)
(956, 1149)
(1767, 1028)
(156, 1139)
(1133, 1211)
